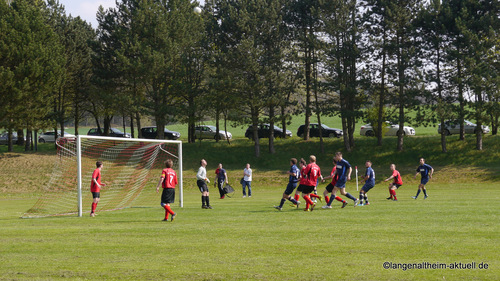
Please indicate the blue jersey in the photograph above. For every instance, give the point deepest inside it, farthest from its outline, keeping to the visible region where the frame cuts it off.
(342, 169)
(424, 170)
(221, 177)
(371, 174)
(296, 171)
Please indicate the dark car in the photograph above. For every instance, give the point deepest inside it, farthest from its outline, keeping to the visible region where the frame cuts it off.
(152, 133)
(264, 130)
(326, 131)
(113, 132)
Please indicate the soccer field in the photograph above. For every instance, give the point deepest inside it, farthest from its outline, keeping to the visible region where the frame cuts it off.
(246, 238)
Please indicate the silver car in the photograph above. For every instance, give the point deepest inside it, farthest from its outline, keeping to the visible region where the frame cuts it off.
(50, 136)
(4, 138)
(392, 130)
(208, 132)
(453, 127)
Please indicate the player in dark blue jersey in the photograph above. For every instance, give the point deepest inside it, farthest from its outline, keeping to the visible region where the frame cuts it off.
(293, 179)
(369, 179)
(343, 171)
(426, 172)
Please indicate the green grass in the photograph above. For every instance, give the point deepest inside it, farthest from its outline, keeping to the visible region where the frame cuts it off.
(245, 238)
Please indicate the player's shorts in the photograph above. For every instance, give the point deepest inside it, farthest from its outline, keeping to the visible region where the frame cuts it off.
(340, 183)
(301, 188)
(424, 181)
(168, 195)
(308, 189)
(202, 185)
(96, 195)
(396, 185)
(290, 187)
(330, 187)
(366, 187)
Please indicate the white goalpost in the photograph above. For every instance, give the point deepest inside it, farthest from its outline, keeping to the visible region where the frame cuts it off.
(131, 170)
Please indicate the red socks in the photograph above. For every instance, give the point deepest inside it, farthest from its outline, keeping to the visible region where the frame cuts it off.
(94, 206)
(314, 195)
(297, 197)
(308, 200)
(393, 194)
(168, 211)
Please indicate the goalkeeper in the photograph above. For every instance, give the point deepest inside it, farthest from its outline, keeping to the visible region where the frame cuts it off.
(201, 181)
(168, 180)
(95, 187)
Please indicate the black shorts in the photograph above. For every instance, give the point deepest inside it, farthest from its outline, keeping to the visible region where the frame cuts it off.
(329, 187)
(396, 185)
(300, 188)
(308, 189)
(168, 195)
(96, 195)
(202, 185)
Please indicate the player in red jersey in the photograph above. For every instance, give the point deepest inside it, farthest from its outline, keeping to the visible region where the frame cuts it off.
(311, 173)
(168, 180)
(398, 182)
(95, 187)
(330, 186)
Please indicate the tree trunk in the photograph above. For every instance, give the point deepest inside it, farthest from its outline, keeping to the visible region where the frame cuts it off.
(308, 94)
(255, 127)
(132, 131)
(138, 121)
(461, 100)
(217, 129)
(271, 130)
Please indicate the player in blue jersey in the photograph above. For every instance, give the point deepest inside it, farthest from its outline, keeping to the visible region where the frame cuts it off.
(426, 172)
(343, 171)
(369, 179)
(293, 179)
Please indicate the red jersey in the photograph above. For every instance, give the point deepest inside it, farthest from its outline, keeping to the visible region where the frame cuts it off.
(334, 179)
(303, 178)
(397, 177)
(313, 172)
(97, 176)
(170, 178)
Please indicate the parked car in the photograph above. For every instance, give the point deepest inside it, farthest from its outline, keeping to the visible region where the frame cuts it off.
(4, 138)
(392, 130)
(152, 133)
(113, 132)
(50, 136)
(208, 132)
(314, 131)
(264, 130)
(453, 127)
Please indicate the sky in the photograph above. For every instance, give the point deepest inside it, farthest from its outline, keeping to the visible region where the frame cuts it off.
(87, 9)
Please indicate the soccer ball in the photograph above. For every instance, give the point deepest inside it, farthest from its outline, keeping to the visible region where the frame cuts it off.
(197, 10)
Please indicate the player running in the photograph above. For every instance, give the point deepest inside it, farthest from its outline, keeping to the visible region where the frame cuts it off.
(398, 182)
(343, 171)
(201, 181)
(293, 179)
(303, 180)
(426, 172)
(369, 180)
(331, 185)
(95, 187)
(168, 181)
(311, 173)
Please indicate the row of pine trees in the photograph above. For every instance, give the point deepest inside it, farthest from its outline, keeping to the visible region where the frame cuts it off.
(251, 61)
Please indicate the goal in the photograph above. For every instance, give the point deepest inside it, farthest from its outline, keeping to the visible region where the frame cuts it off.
(131, 171)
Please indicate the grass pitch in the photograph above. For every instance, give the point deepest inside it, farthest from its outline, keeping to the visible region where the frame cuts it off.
(245, 238)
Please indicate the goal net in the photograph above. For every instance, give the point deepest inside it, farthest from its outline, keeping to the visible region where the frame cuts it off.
(131, 171)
